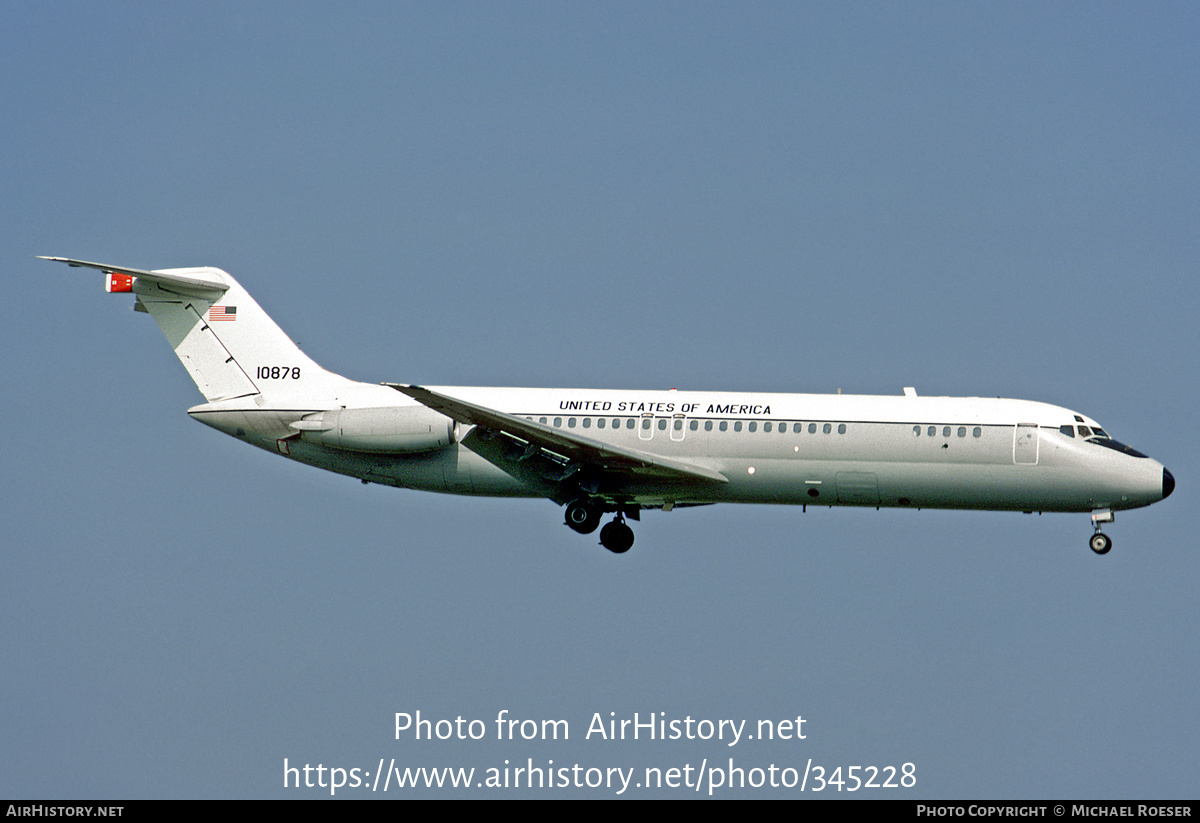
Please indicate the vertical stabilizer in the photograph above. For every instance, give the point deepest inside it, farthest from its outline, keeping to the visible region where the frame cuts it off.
(227, 343)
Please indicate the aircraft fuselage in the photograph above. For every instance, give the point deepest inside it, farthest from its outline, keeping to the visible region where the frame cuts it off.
(799, 449)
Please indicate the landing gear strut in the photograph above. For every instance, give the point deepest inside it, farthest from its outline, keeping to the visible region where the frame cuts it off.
(616, 536)
(1101, 543)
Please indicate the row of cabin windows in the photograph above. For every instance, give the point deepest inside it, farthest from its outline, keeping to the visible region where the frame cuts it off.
(694, 425)
(1069, 431)
(782, 428)
(946, 431)
(767, 426)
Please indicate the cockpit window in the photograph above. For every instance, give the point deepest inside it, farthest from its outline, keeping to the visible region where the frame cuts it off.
(1099, 432)
(1084, 431)
(1069, 431)
(1109, 443)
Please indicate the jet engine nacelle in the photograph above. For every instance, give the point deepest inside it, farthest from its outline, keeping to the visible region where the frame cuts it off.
(389, 429)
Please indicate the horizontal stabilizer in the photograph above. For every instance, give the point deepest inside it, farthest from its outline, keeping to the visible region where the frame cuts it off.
(197, 281)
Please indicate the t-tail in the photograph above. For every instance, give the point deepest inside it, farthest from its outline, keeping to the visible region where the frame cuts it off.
(261, 388)
(227, 343)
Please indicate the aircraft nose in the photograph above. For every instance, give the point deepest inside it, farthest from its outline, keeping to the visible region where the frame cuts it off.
(1168, 483)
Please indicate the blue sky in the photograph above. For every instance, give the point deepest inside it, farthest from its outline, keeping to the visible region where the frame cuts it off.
(972, 199)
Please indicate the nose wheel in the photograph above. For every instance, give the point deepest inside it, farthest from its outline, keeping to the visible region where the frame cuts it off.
(1101, 543)
(616, 536)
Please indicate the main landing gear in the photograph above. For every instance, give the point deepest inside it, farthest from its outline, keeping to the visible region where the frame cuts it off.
(583, 515)
(616, 536)
(1101, 543)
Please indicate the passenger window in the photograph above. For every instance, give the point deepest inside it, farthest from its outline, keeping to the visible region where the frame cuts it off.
(767, 426)
(645, 422)
(827, 428)
(976, 432)
(841, 428)
(708, 425)
(945, 431)
(599, 422)
(932, 431)
(587, 422)
(797, 428)
(724, 425)
(662, 425)
(542, 420)
(812, 428)
(962, 431)
(558, 422)
(737, 427)
(678, 425)
(570, 422)
(695, 424)
(916, 431)
(753, 426)
(628, 423)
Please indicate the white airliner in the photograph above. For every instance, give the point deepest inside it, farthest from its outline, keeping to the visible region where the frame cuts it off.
(600, 452)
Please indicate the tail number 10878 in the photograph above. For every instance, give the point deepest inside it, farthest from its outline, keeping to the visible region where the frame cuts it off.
(278, 373)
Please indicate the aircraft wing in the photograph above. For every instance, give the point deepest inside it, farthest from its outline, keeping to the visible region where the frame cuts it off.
(574, 449)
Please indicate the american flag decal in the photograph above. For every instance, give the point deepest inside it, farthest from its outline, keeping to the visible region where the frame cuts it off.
(216, 313)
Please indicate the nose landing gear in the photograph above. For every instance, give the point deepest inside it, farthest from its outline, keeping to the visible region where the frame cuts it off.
(1101, 543)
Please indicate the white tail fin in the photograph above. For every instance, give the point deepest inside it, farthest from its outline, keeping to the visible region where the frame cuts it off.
(224, 339)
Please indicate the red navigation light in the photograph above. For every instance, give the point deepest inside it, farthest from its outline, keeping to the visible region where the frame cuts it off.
(118, 282)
